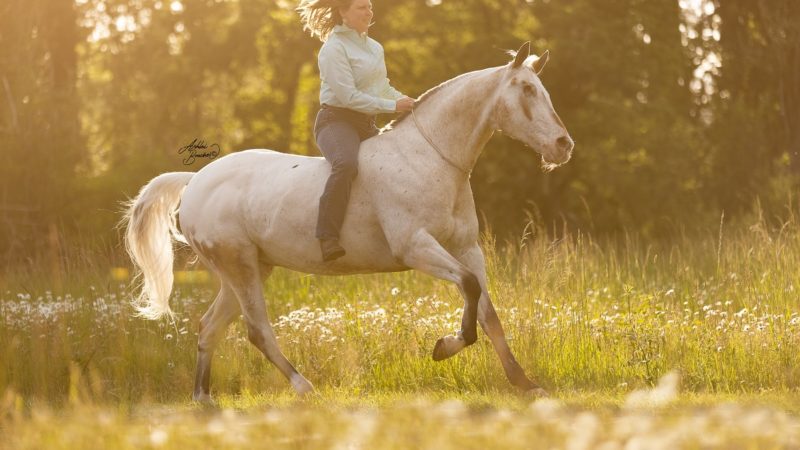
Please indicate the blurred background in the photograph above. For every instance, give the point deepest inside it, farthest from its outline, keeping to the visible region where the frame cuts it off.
(681, 110)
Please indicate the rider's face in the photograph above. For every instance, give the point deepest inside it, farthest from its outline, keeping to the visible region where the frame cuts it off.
(358, 16)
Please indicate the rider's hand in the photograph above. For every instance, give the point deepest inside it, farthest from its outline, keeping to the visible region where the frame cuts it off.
(405, 104)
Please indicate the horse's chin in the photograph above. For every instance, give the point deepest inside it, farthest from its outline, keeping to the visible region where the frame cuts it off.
(550, 163)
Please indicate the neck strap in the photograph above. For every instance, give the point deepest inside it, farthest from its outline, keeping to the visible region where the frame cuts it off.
(442, 155)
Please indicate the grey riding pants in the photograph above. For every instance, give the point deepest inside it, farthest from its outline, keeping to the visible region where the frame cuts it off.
(339, 132)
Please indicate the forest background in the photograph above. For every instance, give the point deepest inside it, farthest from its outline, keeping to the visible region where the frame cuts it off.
(681, 110)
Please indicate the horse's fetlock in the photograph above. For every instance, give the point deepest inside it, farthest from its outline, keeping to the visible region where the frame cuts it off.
(472, 287)
(470, 335)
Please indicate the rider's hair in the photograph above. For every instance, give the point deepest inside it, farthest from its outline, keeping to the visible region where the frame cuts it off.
(320, 16)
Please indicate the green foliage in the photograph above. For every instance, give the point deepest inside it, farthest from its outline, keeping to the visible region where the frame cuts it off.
(98, 96)
(755, 105)
(581, 315)
(40, 143)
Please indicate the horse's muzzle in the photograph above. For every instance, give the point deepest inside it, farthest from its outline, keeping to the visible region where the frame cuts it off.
(563, 151)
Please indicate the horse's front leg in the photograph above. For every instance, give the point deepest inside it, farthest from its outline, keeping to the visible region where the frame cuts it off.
(473, 259)
(425, 254)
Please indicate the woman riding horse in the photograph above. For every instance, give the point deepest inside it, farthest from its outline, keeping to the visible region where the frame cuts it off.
(412, 208)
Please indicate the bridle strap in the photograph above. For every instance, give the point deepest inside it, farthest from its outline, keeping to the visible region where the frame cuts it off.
(442, 155)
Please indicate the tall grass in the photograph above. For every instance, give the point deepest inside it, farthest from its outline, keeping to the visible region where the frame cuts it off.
(582, 315)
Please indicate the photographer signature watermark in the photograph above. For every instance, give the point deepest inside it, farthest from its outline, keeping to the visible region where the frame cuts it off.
(198, 149)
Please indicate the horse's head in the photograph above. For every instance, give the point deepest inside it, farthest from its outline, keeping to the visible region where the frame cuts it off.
(524, 111)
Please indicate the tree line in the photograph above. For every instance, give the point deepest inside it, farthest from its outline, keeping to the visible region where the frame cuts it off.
(679, 111)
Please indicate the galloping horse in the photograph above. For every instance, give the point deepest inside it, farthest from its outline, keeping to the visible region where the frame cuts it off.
(411, 207)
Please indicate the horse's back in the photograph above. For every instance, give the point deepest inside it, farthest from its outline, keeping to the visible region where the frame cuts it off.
(271, 199)
(263, 163)
(222, 194)
(238, 174)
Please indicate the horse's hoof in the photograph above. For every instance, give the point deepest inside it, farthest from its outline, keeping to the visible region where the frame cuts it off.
(306, 394)
(203, 399)
(448, 346)
(302, 386)
(439, 350)
(537, 392)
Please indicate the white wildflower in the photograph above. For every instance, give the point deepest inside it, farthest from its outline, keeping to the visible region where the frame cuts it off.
(665, 392)
(158, 437)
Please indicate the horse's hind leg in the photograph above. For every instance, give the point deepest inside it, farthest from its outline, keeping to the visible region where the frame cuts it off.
(239, 268)
(212, 327)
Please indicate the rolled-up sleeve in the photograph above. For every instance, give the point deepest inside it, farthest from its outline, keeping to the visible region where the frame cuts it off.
(336, 72)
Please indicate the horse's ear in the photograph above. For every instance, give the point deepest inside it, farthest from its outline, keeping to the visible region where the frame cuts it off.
(538, 65)
(522, 54)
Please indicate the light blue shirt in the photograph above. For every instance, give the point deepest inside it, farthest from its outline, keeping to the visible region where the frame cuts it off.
(353, 73)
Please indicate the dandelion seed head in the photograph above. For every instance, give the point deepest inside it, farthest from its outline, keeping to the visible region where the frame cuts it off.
(546, 408)
(665, 392)
(158, 437)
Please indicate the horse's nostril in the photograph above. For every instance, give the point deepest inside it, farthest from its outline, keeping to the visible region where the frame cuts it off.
(564, 143)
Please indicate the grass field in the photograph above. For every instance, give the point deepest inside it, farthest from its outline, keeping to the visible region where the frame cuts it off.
(598, 324)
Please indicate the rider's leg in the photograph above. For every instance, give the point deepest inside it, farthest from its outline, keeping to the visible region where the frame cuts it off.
(339, 142)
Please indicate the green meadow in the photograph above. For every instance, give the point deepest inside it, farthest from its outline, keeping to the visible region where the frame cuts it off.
(654, 297)
(632, 340)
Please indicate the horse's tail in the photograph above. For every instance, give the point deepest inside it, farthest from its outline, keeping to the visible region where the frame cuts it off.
(150, 220)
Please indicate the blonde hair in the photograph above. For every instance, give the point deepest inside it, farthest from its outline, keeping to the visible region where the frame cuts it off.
(320, 16)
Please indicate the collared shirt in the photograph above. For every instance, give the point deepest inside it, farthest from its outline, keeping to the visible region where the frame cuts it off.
(353, 73)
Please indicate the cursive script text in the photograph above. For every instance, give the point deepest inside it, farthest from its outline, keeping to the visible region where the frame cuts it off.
(198, 149)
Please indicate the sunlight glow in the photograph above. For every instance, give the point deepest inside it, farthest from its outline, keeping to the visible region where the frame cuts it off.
(693, 6)
(702, 22)
(125, 23)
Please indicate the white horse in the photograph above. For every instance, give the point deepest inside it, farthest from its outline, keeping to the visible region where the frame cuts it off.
(411, 207)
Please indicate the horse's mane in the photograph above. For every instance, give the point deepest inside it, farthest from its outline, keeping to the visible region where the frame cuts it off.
(430, 92)
(425, 96)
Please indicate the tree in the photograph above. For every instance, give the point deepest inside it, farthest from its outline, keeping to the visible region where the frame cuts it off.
(39, 126)
(755, 98)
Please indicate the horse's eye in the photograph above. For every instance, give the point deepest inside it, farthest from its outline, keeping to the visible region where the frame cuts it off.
(529, 90)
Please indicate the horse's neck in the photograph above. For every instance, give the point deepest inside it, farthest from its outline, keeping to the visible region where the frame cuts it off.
(458, 119)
